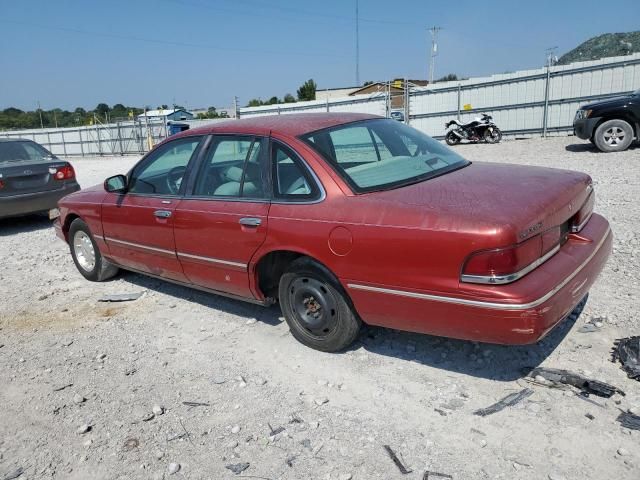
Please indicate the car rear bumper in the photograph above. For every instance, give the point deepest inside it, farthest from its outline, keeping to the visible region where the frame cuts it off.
(15, 205)
(584, 127)
(519, 313)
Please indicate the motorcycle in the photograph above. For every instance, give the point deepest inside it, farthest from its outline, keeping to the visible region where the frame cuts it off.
(479, 129)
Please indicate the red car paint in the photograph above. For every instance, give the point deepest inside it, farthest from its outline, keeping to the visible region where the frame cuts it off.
(397, 253)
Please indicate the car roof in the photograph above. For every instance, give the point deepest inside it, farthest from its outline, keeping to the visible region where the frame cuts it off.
(287, 124)
(15, 140)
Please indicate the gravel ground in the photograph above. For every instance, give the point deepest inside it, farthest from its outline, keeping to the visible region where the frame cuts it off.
(81, 379)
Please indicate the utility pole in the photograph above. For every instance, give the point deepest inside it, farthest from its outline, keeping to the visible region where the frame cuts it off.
(434, 51)
(235, 108)
(357, 44)
(40, 113)
(550, 53)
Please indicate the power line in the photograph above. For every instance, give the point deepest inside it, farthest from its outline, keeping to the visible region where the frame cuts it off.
(293, 10)
(168, 42)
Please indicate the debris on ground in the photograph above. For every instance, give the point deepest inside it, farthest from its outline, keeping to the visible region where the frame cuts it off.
(430, 475)
(275, 431)
(508, 401)
(629, 420)
(121, 297)
(62, 387)
(237, 468)
(131, 444)
(588, 386)
(593, 325)
(627, 352)
(196, 404)
(396, 460)
(14, 474)
(174, 468)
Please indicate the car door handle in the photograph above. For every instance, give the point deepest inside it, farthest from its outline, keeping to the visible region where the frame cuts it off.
(162, 213)
(250, 221)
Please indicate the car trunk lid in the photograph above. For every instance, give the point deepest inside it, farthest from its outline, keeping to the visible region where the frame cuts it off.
(519, 202)
(29, 176)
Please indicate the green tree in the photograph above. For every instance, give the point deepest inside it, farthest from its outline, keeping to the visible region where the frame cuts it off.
(307, 90)
(255, 102)
(451, 77)
(101, 109)
(288, 98)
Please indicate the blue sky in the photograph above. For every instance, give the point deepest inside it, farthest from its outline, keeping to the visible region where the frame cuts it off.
(69, 53)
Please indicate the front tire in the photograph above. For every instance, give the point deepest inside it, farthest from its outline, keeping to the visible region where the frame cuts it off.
(86, 255)
(451, 139)
(613, 136)
(316, 309)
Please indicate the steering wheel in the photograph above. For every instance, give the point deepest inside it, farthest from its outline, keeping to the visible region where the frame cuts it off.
(174, 179)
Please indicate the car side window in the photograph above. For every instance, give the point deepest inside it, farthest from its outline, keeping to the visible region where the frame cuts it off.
(232, 168)
(162, 172)
(291, 179)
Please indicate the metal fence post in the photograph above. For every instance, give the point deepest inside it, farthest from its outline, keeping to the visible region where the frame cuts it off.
(406, 102)
(459, 95)
(81, 142)
(387, 106)
(98, 136)
(546, 102)
(64, 145)
(120, 139)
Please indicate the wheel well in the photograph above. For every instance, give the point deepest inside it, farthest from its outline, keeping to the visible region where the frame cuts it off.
(271, 267)
(67, 224)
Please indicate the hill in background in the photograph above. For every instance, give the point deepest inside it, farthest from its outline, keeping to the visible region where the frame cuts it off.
(606, 45)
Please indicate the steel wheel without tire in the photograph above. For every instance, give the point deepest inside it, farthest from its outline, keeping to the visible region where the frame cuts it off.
(316, 309)
(613, 136)
(86, 255)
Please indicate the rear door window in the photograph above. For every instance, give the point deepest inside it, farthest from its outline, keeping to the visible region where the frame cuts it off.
(291, 178)
(232, 167)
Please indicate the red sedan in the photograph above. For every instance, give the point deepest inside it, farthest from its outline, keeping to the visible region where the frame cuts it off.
(348, 218)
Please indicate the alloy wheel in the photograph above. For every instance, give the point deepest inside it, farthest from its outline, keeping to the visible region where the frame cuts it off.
(614, 136)
(84, 251)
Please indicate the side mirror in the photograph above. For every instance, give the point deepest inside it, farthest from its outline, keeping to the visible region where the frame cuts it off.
(116, 184)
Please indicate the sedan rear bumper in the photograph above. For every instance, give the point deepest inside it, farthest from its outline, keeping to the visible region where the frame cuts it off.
(520, 313)
(16, 205)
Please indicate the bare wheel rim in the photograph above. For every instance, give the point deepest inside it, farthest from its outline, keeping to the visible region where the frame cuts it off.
(84, 251)
(614, 136)
(314, 307)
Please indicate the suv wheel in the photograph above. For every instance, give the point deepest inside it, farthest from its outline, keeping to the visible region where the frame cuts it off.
(613, 136)
(315, 308)
(86, 255)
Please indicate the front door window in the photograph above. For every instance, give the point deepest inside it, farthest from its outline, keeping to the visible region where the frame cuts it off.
(163, 170)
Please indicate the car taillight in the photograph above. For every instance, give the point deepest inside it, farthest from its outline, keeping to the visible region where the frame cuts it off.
(64, 173)
(1, 183)
(508, 264)
(580, 219)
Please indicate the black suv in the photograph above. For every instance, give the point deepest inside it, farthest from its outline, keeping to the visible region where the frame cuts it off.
(610, 124)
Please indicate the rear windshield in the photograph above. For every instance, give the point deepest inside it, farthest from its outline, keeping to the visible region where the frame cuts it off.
(381, 154)
(21, 150)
